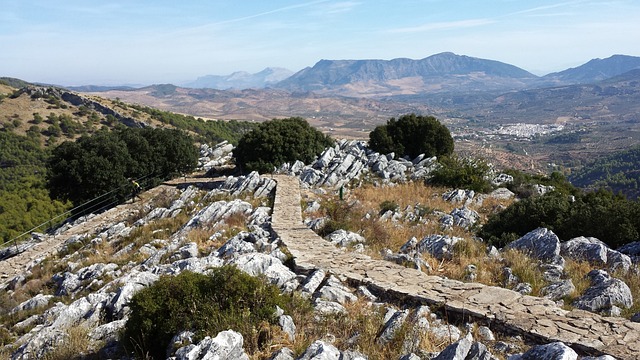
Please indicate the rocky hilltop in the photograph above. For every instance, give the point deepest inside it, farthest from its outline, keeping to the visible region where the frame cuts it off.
(71, 290)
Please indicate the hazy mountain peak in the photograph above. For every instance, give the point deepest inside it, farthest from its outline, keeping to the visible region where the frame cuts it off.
(241, 79)
(596, 70)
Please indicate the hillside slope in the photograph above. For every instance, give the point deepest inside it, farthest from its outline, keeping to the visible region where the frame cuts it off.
(619, 172)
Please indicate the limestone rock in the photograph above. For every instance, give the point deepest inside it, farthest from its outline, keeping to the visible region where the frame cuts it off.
(540, 243)
(36, 302)
(502, 179)
(558, 290)
(458, 195)
(448, 332)
(283, 354)
(392, 325)
(324, 307)
(288, 326)
(631, 249)
(552, 351)
(131, 284)
(464, 217)
(333, 290)
(502, 194)
(217, 211)
(596, 252)
(344, 238)
(411, 356)
(256, 263)
(320, 350)
(439, 246)
(187, 251)
(108, 332)
(236, 245)
(523, 288)
(485, 334)
(313, 281)
(456, 351)
(604, 293)
(227, 345)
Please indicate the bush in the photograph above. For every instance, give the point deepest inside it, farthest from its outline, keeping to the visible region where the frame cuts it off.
(523, 183)
(610, 218)
(206, 305)
(456, 172)
(388, 205)
(412, 135)
(276, 142)
(340, 217)
(94, 165)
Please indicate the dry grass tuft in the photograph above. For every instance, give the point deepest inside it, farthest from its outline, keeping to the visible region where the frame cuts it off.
(75, 345)
(526, 269)
(577, 271)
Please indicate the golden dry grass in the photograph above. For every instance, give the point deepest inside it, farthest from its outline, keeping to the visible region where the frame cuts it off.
(356, 330)
(76, 345)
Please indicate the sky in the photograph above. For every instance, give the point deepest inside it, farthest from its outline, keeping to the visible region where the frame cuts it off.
(142, 42)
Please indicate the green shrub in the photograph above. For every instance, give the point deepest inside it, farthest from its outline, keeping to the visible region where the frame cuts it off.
(466, 173)
(412, 135)
(601, 214)
(523, 183)
(388, 205)
(206, 305)
(340, 216)
(279, 141)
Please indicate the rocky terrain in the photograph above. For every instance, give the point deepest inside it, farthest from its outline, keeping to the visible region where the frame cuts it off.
(87, 273)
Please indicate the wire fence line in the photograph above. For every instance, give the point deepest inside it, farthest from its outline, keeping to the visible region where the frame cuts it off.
(95, 205)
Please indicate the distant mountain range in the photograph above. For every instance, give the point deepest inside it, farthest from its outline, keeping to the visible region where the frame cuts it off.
(440, 73)
(444, 73)
(437, 73)
(241, 79)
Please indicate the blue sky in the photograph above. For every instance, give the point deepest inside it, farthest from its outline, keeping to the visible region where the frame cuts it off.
(74, 42)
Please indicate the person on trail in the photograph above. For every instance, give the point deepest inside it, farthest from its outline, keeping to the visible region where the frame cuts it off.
(135, 190)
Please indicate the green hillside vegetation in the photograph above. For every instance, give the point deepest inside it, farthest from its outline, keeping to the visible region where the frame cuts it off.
(24, 198)
(211, 131)
(619, 172)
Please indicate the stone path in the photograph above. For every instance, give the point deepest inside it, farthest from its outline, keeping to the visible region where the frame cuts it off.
(537, 319)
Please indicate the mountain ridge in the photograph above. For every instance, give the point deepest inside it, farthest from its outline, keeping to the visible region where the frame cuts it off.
(440, 72)
(596, 70)
(241, 79)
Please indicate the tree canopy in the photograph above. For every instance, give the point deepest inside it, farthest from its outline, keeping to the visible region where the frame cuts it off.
(93, 165)
(412, 135)
(278, 141)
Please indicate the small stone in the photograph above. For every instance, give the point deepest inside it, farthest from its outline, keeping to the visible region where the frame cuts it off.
(485, 334)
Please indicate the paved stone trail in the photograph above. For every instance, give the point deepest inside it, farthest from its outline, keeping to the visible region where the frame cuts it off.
(535, 318)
